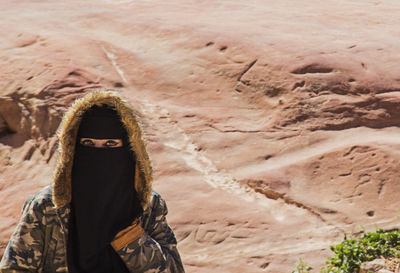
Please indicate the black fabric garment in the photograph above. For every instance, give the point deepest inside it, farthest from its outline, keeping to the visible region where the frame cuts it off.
(101, 122)
(104, 200)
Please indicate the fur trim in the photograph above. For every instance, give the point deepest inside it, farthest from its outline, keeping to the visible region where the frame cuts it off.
(67, 132)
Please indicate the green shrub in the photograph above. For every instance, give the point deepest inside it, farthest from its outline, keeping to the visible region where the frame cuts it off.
(302, 267)
(350, 253)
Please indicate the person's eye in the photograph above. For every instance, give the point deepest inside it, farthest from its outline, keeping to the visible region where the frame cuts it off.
(87, 142)
(111, 143)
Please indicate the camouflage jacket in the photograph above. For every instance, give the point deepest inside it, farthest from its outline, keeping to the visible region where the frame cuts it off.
(39, 241)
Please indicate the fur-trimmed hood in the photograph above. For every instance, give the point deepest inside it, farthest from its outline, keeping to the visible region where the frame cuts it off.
(67, 133)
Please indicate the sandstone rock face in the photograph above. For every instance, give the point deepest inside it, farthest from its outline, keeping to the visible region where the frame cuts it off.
(273, 126)
(373, 266)
(380, 266)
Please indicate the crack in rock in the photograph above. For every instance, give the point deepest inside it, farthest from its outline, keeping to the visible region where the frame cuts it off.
(236, 130)
(248, 67)
(275, 195)
(312, 68)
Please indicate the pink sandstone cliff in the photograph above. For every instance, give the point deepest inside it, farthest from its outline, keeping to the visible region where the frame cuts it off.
(273, 126)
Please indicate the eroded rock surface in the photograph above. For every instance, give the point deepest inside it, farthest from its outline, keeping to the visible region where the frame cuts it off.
(272, 125)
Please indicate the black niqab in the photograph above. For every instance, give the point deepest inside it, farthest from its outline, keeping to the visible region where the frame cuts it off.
(104, 200)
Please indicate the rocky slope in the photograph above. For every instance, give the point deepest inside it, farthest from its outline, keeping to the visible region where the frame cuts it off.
(272, 125)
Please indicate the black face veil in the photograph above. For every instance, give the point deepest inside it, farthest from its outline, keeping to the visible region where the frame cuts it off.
(104, 200)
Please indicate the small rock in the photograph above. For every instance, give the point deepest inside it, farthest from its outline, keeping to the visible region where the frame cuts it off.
(372, 266)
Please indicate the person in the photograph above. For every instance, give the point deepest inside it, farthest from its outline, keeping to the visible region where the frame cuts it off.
(100, 213)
